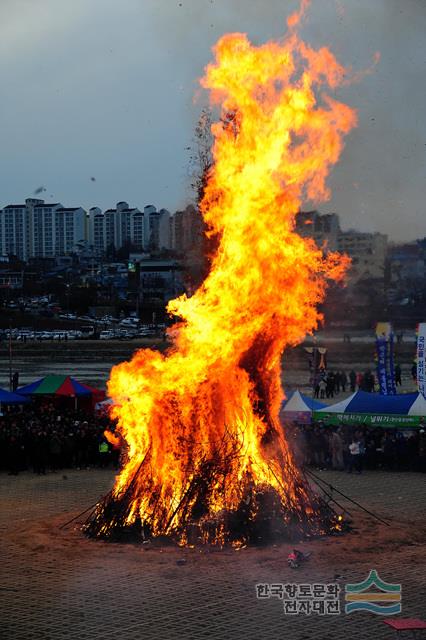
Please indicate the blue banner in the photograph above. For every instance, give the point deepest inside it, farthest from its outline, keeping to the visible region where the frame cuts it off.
(391, 369)
(421, 358)
(382, 348)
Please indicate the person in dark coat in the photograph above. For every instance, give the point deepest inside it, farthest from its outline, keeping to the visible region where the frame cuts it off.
(330, 385)
(40, 452)
(343, 381)
(55, 450)
(398, 373)
(13, 454)
(389, 452)
(422, 450)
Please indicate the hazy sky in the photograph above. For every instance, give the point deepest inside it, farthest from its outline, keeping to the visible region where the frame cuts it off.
(105, 88)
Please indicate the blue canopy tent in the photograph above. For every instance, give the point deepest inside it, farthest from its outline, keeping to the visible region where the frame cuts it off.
(7, 397)
(405, 409)
(299, 407)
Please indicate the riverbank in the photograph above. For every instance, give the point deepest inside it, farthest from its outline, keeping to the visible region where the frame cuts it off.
(91, 360)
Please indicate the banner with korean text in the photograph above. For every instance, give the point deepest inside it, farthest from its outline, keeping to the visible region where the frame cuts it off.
(384, 356)
(421, 358)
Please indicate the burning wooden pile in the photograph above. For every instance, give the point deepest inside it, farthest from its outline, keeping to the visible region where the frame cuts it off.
(208, 461)
(250, 512)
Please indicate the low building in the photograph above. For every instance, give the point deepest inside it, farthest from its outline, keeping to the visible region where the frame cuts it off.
(11, 279)
(323, 228)
(367, 252)
(407, 262)
(158, 281)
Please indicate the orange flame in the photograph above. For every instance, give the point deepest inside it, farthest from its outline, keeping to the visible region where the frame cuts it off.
(218, 387)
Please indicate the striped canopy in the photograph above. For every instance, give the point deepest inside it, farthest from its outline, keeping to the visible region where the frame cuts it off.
(299, 407)
(411, 404)
(55, 385)
(298, 402)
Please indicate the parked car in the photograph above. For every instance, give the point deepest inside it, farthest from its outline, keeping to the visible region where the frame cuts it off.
(129, 322)
(106, 335)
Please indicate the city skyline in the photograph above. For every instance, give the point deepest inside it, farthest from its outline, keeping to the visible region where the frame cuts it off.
(70, 126)
(22, 224)
(39, 229)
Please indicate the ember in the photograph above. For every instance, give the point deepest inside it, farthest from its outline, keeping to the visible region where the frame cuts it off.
(208, 461)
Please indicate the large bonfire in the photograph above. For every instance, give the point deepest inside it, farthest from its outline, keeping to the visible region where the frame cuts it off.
(208, 460)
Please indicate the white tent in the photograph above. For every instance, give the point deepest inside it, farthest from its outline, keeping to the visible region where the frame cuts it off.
(399, 410)
(418, 408)
(406, 404)
(339, 407)
(300, 407)
(104, 405)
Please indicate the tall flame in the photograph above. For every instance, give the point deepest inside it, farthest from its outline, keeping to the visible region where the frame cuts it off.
(201, 420)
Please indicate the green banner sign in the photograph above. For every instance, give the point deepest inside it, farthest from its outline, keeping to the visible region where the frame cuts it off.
(374, 420)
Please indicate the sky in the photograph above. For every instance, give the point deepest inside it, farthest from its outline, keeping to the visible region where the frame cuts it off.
(108, 89)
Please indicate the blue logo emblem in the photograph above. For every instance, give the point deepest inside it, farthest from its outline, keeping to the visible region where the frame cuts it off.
(385, 600)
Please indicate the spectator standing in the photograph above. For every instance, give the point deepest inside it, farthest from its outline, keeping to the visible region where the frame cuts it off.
(355, 456)
(103, 453)
(55, 450)
(389, 452)
(317, 449)
(118, 443)
(398, 373)
(422, 451)
(352, 380)
(368, 381)
(316, 385)
(13, 454)
(329, 390)
(370, 451)
(336, 444)
(343, 380)
(40, 453)
(337, 382)
(324, 438)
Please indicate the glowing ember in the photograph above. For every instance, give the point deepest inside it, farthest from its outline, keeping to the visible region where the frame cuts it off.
(207, 457)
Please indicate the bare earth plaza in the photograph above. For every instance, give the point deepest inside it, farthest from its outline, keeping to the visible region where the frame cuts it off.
(57, 584)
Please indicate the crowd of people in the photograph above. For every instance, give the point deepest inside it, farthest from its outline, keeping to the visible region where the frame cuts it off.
(352, 449)
(327, 384)
(48, 436)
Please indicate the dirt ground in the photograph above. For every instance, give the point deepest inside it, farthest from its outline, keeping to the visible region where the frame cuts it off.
(55, 583)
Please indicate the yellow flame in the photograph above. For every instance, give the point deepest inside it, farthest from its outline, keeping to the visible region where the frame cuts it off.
(217, 390)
